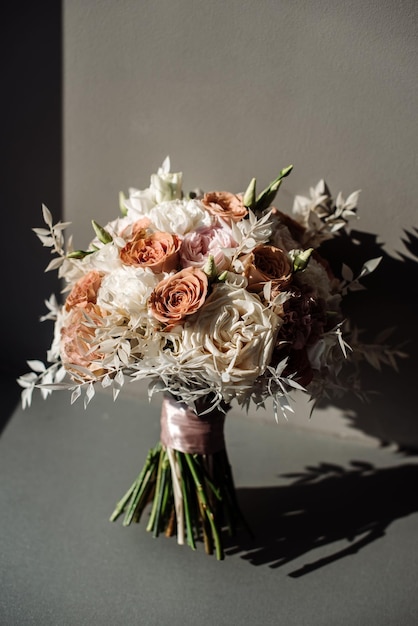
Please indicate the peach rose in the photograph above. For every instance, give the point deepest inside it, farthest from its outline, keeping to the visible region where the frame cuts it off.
(265, 264)
(226, 205)
(133, 229)
(179, 296)
(159, 251)
(84, 291)
(76, 337)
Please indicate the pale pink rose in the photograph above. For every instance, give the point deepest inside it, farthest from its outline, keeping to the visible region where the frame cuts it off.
(226, 205)
(76, 336)
(159, 251)
(199, 245)
(178, 296)
(84, 292)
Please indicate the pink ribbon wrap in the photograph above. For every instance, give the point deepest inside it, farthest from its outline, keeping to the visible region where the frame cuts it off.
(183, 430)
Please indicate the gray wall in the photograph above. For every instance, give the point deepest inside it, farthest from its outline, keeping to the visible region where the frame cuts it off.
(242, 88)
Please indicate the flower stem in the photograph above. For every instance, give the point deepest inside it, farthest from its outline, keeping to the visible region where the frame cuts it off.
(201, 494)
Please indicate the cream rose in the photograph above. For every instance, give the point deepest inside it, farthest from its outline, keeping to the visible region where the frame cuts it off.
(236, 331)
(178, 296)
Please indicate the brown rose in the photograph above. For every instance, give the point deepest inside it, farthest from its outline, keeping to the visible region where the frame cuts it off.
(265, 264)
(159, 251)
(179, 296)
(84, 291)
(226, 205)
(76, 338)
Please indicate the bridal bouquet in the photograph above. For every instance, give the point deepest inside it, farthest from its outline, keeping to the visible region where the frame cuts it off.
(213, 297)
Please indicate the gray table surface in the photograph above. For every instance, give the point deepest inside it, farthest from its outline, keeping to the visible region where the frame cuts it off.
(336, 527)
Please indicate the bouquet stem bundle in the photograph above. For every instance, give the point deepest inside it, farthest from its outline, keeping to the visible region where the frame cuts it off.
(191, 495)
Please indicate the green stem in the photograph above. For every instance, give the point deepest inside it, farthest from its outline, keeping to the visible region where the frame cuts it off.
(159, 495)
(150, 525)
(186, 500)
(205, 505)
(143, 483)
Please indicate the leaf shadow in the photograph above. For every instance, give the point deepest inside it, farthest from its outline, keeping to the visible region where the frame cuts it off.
(389, 301)
(325, 505)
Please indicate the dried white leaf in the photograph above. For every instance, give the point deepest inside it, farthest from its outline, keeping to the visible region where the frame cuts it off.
(76, 394)
(61, 225)
(36, 365)
(54, 264)
(48, 242)
(370, 266)
(27, 397)
(41, 231)
(47, 215)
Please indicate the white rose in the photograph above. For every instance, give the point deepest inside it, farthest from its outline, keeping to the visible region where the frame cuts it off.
(180, 216)
(236, 332)
(126, 291)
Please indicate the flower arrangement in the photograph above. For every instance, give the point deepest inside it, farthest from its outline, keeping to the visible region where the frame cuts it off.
(213, 297)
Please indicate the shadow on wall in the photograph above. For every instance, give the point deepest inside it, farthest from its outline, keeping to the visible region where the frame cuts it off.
(390, 301)
(322, 506)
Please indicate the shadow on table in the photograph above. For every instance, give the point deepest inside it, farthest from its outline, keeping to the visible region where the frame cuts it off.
(324, 505)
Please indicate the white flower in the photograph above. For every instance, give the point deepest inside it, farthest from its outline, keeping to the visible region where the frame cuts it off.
(236, 333)
(106, 259)
(126, 291)
(165, 186)
(180, 216)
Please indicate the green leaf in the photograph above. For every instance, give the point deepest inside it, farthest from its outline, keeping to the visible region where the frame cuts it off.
(250, 196)
(267, 196)
(101, 233)
(79, 254)
(122, 206)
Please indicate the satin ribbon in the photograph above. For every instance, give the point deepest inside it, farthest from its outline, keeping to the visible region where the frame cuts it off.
(183, 430)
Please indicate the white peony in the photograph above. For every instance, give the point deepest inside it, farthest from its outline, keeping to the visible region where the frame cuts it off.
(180, 216)
(126, 291)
